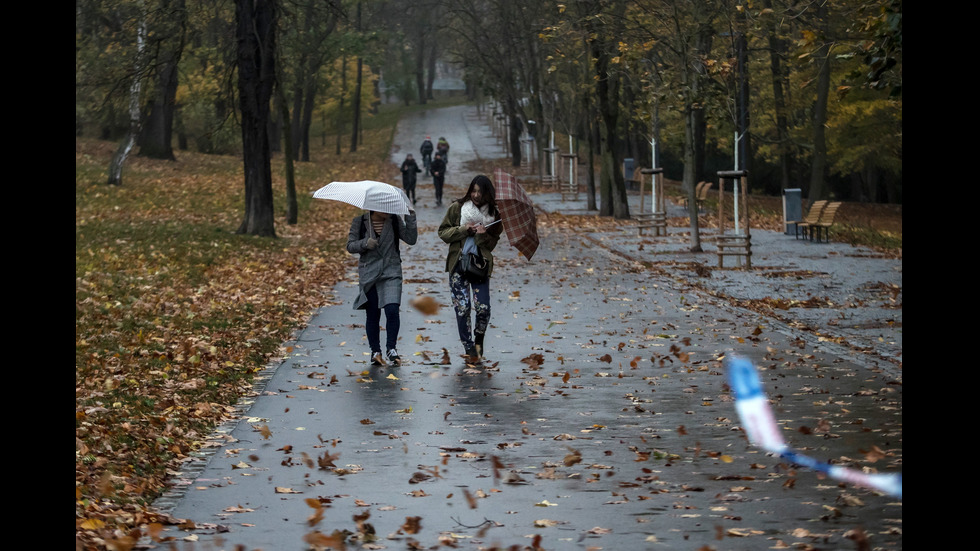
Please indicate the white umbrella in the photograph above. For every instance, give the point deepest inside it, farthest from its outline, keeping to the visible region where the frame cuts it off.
(367, 195)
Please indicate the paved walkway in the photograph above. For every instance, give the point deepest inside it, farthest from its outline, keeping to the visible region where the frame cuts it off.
(601, 422)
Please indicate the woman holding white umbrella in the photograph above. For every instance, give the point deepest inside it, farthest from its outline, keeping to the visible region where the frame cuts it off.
(375, 236)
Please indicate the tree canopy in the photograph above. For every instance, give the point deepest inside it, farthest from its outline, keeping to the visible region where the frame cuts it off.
(811, 89)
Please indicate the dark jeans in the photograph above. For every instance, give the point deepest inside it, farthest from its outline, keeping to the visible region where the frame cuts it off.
(437, 182)
(373, 323)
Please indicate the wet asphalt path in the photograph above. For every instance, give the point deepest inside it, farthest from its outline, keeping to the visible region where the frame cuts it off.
(601, 421)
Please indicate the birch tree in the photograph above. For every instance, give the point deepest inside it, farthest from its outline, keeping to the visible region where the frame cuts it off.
(135, 114)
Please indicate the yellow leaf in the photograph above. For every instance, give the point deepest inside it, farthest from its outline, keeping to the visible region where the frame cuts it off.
(93, 524)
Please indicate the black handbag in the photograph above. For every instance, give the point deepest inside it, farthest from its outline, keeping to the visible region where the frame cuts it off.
(474, 267)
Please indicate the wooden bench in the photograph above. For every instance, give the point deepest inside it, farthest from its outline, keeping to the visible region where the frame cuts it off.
(812, 217)
(826, 220)
(700, 193)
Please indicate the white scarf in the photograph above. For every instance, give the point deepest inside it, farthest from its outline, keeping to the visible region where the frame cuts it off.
(469, 213)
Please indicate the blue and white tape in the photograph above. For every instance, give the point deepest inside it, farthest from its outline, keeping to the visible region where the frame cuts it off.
(761, 428)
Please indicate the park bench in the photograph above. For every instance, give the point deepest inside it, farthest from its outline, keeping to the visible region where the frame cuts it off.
(700, 193)
(825, 222)
(812, 217)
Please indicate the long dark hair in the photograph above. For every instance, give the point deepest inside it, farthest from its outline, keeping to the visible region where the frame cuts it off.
(486, 189)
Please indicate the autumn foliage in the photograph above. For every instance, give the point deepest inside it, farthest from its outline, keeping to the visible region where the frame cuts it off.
(175, 314)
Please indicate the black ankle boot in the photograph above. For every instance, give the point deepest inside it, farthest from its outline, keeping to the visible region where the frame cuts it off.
(478, 339)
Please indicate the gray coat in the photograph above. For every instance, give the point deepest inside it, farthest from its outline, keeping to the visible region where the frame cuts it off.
(380, 267)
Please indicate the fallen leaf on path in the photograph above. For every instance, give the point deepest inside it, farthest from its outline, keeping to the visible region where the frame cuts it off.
(237, 509)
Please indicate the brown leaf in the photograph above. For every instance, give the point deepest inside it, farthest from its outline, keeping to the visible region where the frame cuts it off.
(412, 525)
(427, 305)
(533, 361)
(572, 458)
(319, 540)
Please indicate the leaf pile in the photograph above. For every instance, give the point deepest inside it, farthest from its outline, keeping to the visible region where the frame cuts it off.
(175, 314)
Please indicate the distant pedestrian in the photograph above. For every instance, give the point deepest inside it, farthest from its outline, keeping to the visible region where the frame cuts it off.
(374, 236)
(426, 151)
(442, 146)
(438, 176)
(465, 228)
(410, 170)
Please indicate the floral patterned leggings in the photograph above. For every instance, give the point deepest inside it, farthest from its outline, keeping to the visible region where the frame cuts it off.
(466, 297)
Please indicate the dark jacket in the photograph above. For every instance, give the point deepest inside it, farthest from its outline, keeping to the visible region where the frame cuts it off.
(451, 232)
(380, 267)
(409, 169)
(426, 147)
(438, 166)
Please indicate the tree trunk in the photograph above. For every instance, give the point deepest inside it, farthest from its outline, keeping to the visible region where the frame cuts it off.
(135, 118)
(611, 185)
(818, 167)
(256, 33)
(420, 68)
(306, 122)
(288, 145)
(690, 177)
(157, 133)
(514, 121)
(356, 108)
(343, 93)
(777, 51)
(431, 76)
(743, 160)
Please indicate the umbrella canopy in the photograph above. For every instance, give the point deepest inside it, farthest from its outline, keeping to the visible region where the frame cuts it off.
(368, 195)
(517, 213)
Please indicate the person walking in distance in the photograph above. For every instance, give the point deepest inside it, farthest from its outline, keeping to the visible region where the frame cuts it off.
(470, 225)
(375, 236)
(442, 147)
(426, 151)
(438, 176)
(410, 170)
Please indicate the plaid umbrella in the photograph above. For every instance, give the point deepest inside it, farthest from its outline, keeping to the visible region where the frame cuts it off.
(517, 213)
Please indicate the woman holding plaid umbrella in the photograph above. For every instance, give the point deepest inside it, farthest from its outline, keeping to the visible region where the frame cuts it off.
(469, 225)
